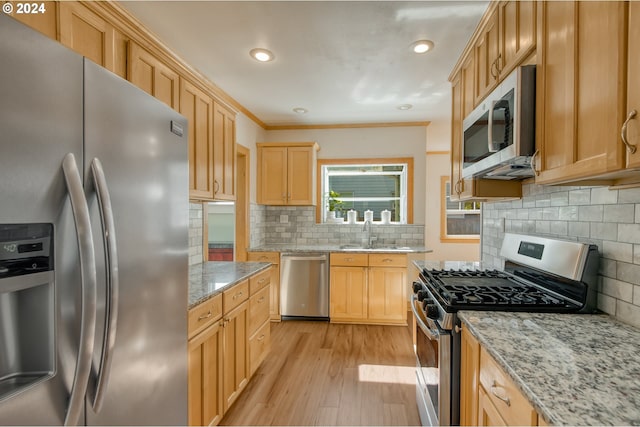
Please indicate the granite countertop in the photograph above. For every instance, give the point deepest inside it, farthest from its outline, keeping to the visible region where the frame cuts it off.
(575, 369)
(339, 248)
(210, 278)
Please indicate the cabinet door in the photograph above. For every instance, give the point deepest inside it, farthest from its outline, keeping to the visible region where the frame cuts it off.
(224, 153)
(205, 377)
(486, 54)
(469, 378)
(517, 33)
(235, 359)
(348, 293)
(272, 175)
(580, 100)
(488, 415)
(387, 300)
(467, 89)
(300, 176)
(197, 107)
(90, 35)
(460, 188)
(44, 21)
(153, 76)
(633, 84)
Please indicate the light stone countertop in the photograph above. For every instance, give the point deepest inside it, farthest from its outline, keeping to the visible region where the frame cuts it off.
(339, 248)
(447, 265)
(210, 278)
(575, 369)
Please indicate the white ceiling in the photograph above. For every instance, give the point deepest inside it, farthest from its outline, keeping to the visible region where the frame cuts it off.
(345, 62)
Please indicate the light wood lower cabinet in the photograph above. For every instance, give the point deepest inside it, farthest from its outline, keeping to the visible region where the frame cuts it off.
(368, 288)
(488, 397)
(274, 282)
(469, 378)
(228, 339)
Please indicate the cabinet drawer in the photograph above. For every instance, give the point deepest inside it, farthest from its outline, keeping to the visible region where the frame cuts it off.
(258, 309)
(513, 407)
(259, 345)
(272, 257)
(259, 281)
(204, 314)
(348, 259)
(235, 296)
(387, 260)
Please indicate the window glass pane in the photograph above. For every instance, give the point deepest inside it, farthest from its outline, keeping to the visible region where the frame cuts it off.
(463, 224)
(366, 185)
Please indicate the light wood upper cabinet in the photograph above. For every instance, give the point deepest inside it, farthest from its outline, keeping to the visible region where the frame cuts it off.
(197, 107)
(153, 76)
(486, 53)
(517, 33)
(43, 21)
(93, 37)
(287, 173)
(506, 39)
(580, 99)
(633, 85)
(224, 153)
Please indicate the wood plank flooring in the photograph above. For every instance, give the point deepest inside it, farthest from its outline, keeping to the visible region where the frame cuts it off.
(319, 373)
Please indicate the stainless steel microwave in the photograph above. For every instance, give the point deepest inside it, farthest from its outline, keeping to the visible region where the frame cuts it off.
(499, 134)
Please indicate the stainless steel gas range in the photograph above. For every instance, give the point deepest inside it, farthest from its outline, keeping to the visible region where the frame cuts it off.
(540, 274)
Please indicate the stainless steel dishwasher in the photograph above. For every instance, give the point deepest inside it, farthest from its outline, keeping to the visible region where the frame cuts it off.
(304, 285)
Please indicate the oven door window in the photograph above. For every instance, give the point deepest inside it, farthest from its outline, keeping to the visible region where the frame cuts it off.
(475, 141)
(427, 352)
(501, 122)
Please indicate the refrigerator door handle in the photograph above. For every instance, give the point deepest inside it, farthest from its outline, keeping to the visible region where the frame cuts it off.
(111, 259)
(86, 252)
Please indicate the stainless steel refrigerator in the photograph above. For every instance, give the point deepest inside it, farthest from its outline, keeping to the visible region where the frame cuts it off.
(93, 243)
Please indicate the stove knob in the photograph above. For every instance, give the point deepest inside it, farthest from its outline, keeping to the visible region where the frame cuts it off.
(422, 295)
(431, 310)
(417, 286)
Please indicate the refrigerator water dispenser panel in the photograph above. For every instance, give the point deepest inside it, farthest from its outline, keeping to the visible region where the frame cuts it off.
(26, 306)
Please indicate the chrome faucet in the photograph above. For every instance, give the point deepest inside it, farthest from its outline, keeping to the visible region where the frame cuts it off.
(367, 229)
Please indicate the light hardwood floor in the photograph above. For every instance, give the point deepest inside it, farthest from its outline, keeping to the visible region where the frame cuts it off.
(325, 374)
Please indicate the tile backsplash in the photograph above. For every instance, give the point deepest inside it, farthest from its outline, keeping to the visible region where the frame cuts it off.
(607, 218)
(195, 233)
(297, 226)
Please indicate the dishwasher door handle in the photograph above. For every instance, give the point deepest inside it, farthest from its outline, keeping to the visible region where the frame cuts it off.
(305, 258)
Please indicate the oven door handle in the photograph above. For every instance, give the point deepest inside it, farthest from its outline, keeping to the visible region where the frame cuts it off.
(433, 334)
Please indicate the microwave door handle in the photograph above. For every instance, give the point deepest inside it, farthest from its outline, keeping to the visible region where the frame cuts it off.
(490, 128)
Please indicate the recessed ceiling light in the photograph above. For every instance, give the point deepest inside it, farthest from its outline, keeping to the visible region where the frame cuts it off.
(422, 46)
(405, 107)
(300, 110)
(262, 55)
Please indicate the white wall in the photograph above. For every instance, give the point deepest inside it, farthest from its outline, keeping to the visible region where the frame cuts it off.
(437, 165)
(368, 143)
(247, 134)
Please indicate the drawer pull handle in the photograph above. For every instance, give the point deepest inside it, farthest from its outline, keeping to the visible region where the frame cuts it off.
(205, 316)
(263, 257)
(348, 259)
(630, 147)
(261, 337)
(239, 294)
(494, 391)
(387, 260)
(260, 299)
(261, 281)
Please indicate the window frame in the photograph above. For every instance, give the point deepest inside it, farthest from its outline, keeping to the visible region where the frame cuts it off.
(368, 161)
(445, 237)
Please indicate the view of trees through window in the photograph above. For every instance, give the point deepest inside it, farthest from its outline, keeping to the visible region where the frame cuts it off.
(366, 187)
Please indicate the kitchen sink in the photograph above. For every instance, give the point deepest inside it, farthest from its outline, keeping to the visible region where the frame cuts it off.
(375, 248)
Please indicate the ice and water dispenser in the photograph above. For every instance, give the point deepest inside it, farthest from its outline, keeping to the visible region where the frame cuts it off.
(27, 310)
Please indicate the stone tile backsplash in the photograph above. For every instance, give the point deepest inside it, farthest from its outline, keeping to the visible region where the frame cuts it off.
(607, 218)
(297, 226)
(195, 233)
